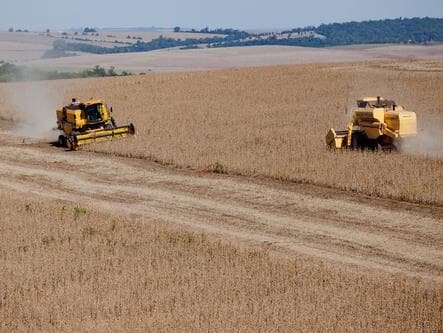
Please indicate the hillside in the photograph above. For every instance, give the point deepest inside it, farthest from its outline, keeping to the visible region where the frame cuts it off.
(412, 31)
(236, 57)
(24, 46)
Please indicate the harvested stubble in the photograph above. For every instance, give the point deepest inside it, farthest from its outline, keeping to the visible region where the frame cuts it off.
(272, 122)
(67, 268)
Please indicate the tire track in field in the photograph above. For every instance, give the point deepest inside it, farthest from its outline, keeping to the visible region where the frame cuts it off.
(284, 218)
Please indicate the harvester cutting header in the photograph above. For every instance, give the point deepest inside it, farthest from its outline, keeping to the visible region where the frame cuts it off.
(87, 122)
(376, 123)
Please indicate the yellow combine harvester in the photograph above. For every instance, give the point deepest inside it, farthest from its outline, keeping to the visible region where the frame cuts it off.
(376, 123)
(87, 122)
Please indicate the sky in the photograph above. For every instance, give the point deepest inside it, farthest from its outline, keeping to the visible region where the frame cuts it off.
(240, 14)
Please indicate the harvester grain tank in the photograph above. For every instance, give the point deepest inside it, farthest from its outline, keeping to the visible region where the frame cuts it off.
(88, 122)
(376, 123)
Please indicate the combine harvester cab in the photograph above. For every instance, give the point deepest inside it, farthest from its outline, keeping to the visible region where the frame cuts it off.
(88, 122)
(376, 124)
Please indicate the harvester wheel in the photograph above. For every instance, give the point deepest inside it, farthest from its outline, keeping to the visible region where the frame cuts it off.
(71, 143)
(372, 145)
(359, 140)
(356, 141)
(62, 141)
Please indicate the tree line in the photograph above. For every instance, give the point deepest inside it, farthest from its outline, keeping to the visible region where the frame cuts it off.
(11, 73)
(400, 30)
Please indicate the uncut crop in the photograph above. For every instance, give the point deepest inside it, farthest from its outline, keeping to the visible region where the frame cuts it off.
(71, 268)
(272, 122)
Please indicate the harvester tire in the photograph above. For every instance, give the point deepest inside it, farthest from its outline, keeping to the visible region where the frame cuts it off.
(359, 140)
(356, 141)
(61, 142)
(71, 143)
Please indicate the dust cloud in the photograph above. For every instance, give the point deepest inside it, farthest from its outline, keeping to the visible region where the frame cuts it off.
(33, 106)
(428, 142)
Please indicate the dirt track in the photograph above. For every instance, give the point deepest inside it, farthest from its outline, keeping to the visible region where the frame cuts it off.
(289, 218)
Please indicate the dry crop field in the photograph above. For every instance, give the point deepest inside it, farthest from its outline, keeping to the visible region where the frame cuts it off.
(67, 267)
(272, 122)
(109, 239)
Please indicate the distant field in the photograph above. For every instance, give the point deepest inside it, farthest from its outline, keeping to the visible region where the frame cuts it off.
(117, 39)
(185, 60)
(148, 36)
(25, 46)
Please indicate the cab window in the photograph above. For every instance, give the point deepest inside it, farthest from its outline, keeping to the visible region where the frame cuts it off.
(92, 113)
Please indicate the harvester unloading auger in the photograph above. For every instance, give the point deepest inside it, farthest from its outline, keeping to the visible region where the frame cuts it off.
(376, 123)
(88, 122)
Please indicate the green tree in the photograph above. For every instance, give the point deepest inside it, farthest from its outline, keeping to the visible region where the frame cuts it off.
(87, 30)
(111, 71)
